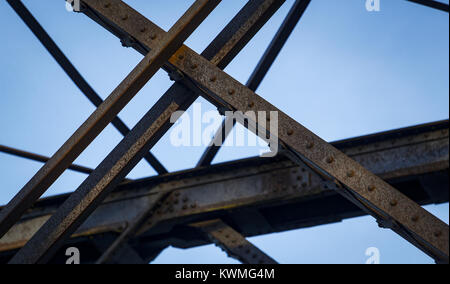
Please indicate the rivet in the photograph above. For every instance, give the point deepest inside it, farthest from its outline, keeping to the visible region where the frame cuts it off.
(153, 37)
(310, 145)
(181, 56)
(213, 79)
(290, 132)
(107, 5)
(438, 234)
(330, 160)
(251, 104)
(371, 188)
(351, 174)
(231, 92)
(394, 203)
(124, 18)
(143, 30)
(194, 66)
(415, 218)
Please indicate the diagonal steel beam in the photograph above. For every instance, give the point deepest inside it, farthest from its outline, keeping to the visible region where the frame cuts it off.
(233, 243)
(128, 255)
(277, 43)
(432, 4)
(40, 158)
(73, 73)
(90, 194)
(149, 215)
(356, 183)
(258, 75)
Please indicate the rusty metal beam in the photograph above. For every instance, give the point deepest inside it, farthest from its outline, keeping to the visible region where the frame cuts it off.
(83, 201)
(405, 158)
(127, 255)
(73, 73)
(120, 244)
(258, 75)
(233, 243)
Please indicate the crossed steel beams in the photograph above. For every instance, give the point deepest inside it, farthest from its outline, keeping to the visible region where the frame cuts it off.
(310, 151)
(250, 195)
(73, 73)
(256, 14)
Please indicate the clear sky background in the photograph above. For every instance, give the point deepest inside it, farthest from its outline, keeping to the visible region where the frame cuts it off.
(344, 72)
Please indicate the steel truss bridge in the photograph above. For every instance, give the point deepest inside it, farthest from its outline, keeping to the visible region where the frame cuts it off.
(311, 182)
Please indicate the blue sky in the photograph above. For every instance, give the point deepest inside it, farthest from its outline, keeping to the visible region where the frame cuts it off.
(344, 72)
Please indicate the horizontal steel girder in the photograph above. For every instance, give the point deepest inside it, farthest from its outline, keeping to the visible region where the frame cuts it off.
(406, 156)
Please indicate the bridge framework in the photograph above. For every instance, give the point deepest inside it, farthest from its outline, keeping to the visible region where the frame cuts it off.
(312, 182)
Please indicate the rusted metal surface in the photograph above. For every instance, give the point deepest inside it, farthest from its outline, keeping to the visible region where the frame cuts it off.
(255, 183)
(83, 201)
(128, 255)
(119, 245)
(233, 243)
